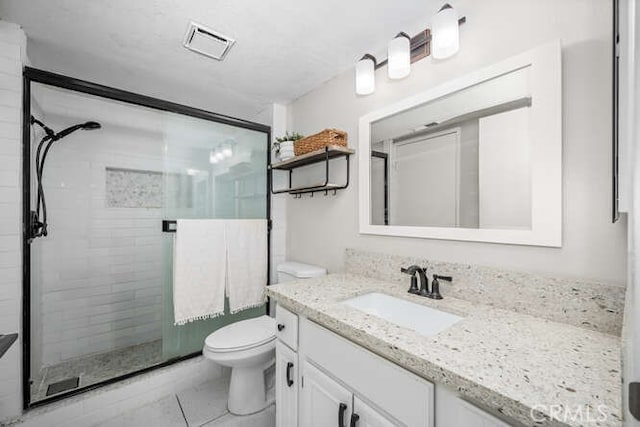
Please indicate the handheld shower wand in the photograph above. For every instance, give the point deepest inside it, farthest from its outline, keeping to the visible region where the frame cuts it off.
(38, 219)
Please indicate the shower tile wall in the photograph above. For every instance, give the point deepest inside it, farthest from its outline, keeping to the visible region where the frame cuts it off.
(12, 57)
(100, 267)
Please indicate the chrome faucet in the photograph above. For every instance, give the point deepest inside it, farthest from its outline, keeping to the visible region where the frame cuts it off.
(424, 280)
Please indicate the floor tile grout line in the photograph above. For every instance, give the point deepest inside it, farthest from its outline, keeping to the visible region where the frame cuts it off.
(186, 423)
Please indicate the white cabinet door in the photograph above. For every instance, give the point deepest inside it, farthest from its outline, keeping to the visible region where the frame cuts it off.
(286, 386)
(366, 416)
(323, 402)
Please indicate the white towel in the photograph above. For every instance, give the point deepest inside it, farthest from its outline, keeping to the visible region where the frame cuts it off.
(199, 269)
(246, 263)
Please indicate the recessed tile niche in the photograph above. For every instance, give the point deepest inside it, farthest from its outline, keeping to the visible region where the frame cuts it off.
(131, 188)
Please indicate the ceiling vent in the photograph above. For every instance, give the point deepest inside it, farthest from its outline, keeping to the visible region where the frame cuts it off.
(207, 42)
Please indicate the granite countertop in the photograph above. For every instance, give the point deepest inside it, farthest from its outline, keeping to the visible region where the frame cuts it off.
(501, 359)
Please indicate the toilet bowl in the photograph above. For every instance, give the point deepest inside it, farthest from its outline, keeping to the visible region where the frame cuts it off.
(248, 348)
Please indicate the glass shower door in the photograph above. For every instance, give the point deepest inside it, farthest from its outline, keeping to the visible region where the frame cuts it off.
(216, 171)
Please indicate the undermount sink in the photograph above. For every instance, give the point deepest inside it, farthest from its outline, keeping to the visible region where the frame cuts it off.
(424, 320)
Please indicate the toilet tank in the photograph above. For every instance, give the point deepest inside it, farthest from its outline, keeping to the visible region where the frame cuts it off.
(292, 270)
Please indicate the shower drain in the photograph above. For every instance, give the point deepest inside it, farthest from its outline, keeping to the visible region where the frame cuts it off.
(64, 385)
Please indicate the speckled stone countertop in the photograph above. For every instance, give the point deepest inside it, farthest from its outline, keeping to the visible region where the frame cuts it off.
(500, 359)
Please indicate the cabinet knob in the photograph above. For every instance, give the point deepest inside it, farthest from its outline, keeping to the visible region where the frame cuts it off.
(280, 327)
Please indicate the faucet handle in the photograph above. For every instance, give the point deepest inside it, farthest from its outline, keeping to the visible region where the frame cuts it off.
(414, 280)
(435, 285)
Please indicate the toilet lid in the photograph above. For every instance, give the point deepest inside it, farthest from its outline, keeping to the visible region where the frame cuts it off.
(242, 335)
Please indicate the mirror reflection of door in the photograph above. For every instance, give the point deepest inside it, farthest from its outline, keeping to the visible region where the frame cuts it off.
(379, 188)
(424, 180)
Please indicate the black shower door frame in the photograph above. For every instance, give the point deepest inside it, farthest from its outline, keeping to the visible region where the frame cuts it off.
(33, 75)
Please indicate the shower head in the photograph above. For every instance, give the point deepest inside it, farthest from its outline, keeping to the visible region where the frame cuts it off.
(83, 126)
(56, 136)
(91, 126)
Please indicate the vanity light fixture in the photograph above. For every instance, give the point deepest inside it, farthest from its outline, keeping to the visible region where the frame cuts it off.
(442, 40)
(445, 40)
(365, 75)
(399, 56)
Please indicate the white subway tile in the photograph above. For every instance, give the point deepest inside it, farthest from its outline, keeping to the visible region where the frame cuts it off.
(9, 163)
(11, 148)
(10, 67)
(11, 114)
(10, 98)
(9, 179)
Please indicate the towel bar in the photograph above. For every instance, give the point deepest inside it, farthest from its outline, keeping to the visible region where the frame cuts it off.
(171, 225)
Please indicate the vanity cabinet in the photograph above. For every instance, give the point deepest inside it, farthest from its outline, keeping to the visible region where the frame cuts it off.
(323, 402)
(379, 392)
(287, 373)
(367, 416)
(287, 386)
(327, 380)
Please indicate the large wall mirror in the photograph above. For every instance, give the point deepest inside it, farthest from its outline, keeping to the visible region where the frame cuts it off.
(478, 158)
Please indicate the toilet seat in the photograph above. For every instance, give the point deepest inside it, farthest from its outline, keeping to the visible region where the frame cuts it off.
(243, 335)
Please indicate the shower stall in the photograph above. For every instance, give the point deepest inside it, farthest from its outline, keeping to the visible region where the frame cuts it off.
(105, 174)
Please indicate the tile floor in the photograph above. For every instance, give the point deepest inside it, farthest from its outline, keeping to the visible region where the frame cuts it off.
(202, 405)
(97, 368)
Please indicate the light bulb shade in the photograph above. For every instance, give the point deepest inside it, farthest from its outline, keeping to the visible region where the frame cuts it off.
(227, 151)
(365, 75)
(445, 40)
(213, 159)
(219, 155)
(399, 57)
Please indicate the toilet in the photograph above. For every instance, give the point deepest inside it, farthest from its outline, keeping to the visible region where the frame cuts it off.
(248, 348)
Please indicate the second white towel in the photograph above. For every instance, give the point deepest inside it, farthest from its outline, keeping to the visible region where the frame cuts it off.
(246, 263)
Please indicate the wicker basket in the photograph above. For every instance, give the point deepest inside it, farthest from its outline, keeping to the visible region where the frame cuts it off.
(319, 141)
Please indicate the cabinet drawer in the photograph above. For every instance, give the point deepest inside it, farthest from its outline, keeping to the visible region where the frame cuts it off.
(287, 327)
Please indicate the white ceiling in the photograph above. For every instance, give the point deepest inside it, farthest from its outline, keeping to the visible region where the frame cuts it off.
(284, 48)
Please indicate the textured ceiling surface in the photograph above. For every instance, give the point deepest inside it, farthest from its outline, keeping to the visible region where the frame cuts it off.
(284, 48)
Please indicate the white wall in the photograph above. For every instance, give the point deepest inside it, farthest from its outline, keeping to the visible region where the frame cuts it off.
(12, 56)
(319, 229)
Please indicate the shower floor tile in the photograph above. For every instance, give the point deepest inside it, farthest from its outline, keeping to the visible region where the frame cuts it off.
(97, 368)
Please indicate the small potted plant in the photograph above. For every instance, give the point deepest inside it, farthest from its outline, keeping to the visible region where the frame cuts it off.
(283, 146)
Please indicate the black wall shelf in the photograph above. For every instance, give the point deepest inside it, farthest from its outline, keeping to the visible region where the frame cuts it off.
(320, 156)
